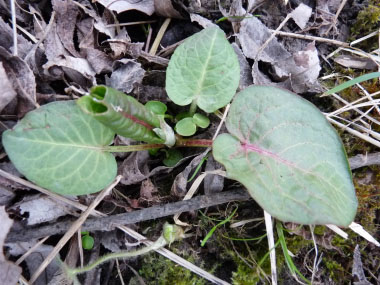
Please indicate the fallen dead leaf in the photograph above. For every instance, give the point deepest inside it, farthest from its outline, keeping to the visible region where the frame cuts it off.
(9, 272)
(41, 209)
(301, 15)
(126, 73)
(8, 93)
(144, 6)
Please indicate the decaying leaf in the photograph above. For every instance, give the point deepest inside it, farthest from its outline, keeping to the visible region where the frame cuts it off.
(301, 15)
(245, 69)
(8, 93)
(22, 79)
(67, 13)
(34, 260)
(298, 72)
(352, 61)
(6, 40)
(41, 209)
(144, 6)
(357, 268)
(126, 73)
(9, 272)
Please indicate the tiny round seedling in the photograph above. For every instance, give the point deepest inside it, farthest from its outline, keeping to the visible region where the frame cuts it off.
(156, 107)
(201, 120)
(186, 127)
(173, 156)
(181, 116)
(87, 242)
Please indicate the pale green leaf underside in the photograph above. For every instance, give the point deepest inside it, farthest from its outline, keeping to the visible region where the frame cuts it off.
(60, 148)
(204, 68)
(288, 156)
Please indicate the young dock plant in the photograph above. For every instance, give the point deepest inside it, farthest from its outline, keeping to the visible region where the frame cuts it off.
(279, 146)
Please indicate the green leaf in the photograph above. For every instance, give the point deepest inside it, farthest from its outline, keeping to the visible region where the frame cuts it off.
(291, 160)
(201, 120)
(121, 113)
(61, 148)
(156, 107)
(204, 68)
(186, 127)
(173, 156)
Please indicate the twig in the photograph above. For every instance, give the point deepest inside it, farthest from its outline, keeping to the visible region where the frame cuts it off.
(129, 24)
(14, 27)
(75, 226)
(274, 33)
(31, 250)
(108, 223)
(336, 16)
(312, 38)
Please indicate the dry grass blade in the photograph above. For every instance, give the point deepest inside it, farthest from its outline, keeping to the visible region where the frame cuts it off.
(31, 250)
(76, 225)
(272, 249)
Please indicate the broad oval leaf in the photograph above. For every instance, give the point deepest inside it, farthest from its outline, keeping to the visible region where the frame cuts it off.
(288, 156)
(204, 68)
(121, 113)
(61, 148)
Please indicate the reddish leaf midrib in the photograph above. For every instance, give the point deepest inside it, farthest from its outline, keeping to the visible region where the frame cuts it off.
(264, 152)
(136, 120)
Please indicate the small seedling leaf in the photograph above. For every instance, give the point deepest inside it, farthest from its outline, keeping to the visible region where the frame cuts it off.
(186, 127)
(291, 160)
(204, 68)
(201, 120)
(121, 113)
(61, 148)
(87, 242)
(173, 156)
(156, 107)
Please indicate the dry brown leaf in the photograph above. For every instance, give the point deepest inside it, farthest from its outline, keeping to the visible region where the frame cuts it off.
(357, 268)
(144, 6)
(9, 272)
(6, 40)
(126, 73)
(41, 209)
(22, 79)
(297, 72)
(66, 19)
(8, 93)
(213, 183)
(301, 15)
(245, 69)
(352, 61)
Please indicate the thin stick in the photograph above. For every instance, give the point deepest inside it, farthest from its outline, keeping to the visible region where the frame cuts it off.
(311, 38)
(272, 249)
(14, 27)
(76, 225)
(31, 250)
(272, 36)
(336, 15)
(129, 24)
(159, 36)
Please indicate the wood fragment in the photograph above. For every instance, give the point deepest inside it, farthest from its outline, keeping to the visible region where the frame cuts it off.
(110, 222)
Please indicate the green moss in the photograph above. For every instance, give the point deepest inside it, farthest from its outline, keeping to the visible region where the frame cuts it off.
(368, 19)
(157, 269)
(336, 271)
(244, 275)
